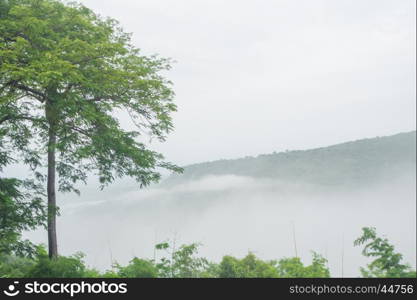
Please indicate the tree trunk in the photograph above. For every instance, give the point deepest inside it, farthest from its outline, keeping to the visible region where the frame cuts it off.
(52, 240)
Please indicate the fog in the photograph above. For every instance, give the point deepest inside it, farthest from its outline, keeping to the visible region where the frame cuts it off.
(234, 215)
(254, 77)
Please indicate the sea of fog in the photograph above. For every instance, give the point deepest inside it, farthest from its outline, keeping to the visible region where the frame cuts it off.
(233, 215)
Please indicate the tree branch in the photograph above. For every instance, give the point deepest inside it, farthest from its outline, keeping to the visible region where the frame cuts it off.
(22, 87)
(11, 117)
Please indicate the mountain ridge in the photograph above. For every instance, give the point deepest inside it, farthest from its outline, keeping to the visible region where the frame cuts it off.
(352, 162)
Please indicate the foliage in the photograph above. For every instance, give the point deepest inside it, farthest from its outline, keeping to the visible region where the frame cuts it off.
(59, 267)
(19, 211)
(12, 266)
(387, 262)
(66, 77)
(80, 69)
(294, 268)
(42, 267)
(21, 208)
(137, 268)
(183, 262)
(251, 266)
(356, 163)
(248, 267)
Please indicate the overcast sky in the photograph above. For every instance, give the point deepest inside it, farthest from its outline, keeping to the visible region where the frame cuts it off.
(253, 77)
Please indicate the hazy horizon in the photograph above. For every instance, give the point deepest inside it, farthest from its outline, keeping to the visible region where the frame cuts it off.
(252, 78)
(233, 214)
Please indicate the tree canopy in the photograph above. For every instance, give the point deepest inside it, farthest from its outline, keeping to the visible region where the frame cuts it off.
(65, 64)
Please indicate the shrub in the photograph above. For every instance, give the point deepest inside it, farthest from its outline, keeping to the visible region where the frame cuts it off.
(248, 267)
(137, 268)
(12, 266)
(59, 267)
(294, 268)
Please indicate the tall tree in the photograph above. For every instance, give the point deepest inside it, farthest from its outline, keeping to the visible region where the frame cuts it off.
(65, 73)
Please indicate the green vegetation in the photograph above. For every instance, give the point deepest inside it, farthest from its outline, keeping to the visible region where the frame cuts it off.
(21, 208)
(356, 163)
(293, 267)
(185, 263)
(64, 73)
(247, 267)
(386, 263)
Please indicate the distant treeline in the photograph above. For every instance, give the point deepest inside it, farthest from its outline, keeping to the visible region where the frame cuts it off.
(352, 163)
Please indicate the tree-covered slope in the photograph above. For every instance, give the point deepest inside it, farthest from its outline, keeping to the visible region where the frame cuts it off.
(362, 161)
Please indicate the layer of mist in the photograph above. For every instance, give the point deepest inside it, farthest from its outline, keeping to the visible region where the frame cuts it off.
(232, 214)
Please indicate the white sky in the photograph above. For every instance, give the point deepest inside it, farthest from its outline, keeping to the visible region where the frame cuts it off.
(253, 77)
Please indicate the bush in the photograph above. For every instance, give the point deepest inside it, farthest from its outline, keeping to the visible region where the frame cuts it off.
(12, 266)
(183, 263)
(248, 267)
(60, 267)
(137, 268)
(294, 268)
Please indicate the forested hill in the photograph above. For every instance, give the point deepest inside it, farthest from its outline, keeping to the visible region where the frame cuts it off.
(357, 162)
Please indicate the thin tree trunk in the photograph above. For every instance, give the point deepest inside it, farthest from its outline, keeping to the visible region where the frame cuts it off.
(52, 240)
